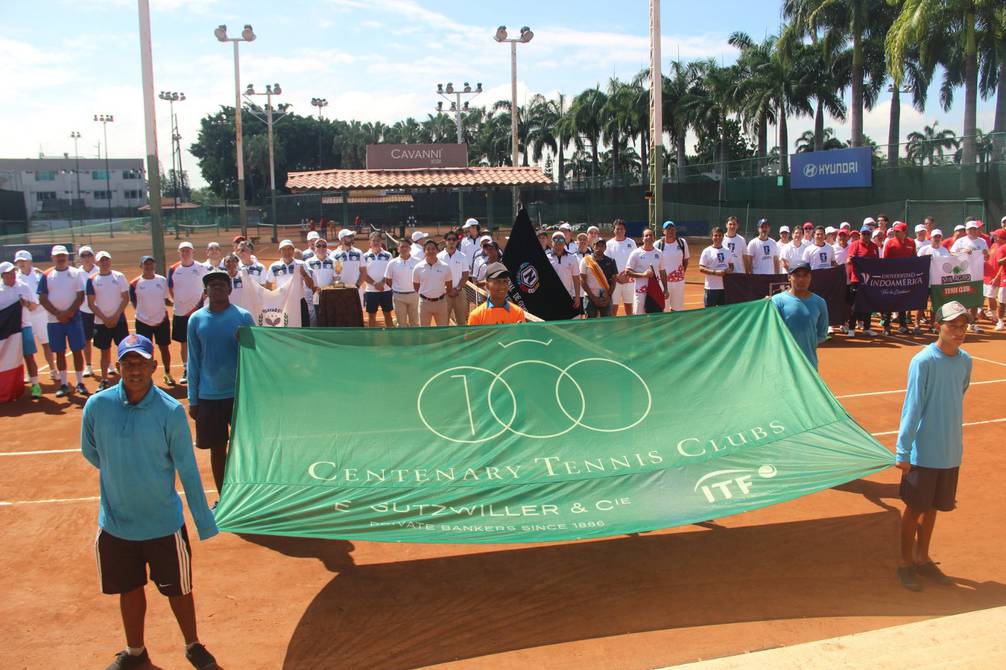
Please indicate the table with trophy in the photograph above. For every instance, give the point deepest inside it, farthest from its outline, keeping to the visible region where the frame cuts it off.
(338, 305)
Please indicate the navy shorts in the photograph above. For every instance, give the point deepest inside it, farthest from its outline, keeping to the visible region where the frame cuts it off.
(159, 335)
(374, 300)
(715, 297)
(213, 423)
(924, 489)
(61, 334)
(103, 335)
(180, 328)
(87, 319)
(122, 564)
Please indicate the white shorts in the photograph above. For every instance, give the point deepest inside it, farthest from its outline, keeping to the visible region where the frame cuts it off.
(639, 302)
(988, 291)
(676, 298)
(1001, 294)
(623, 294)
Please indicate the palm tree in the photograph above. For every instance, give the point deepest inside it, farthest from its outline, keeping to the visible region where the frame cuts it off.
(788, 96)
(930, 144)
(756, 105)
(713, 98)
(809, 141)
(922, 21)
(543, 117)
(587, 112)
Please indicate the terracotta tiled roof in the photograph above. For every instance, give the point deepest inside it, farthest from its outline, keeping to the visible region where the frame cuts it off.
(362, 198)
(427, 178)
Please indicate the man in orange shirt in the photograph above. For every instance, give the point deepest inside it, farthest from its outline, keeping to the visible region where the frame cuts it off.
(497, 309)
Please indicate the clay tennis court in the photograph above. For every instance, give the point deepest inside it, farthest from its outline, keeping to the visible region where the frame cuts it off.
(810, 569)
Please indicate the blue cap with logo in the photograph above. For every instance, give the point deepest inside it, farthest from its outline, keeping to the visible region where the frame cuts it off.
(669, 224)
(136, 343)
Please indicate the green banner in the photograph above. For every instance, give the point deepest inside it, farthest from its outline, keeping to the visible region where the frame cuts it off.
(968, 293)
(531, 432)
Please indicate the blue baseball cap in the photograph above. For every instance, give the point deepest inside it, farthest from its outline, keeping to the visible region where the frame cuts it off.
(137, 343)
(669, 224)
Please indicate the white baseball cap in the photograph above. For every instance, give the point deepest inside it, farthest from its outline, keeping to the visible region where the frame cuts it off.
(85, 250)
(845, 225)
(1002, 220)
(419, 235)
(869, 221)
(484, 239)
(285, 243)
(783, 229)
(102, 254)
(345, 232)
(959, 226)
(22, 255)
(185, 245)
(935, 231)
(950, 311)
(830, 230)
(593, 229)
(469, 223)
(878, 233)
(565, 226)
(6, 267)
(920, 228)
(59, 250)
(313, 235)
(970, 224)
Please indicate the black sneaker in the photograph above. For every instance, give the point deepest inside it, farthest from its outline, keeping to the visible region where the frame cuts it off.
(930, 571)
(64, 390)
(81, 389)
(124, 660)
(906, 573)
(200, 658)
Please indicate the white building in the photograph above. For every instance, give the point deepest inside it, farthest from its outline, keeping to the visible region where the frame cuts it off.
(50, 185)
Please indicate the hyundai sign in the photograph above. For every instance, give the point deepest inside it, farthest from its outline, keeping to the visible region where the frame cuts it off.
(840, 168)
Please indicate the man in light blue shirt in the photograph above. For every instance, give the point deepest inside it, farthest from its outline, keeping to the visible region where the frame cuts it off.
(931, 441)
(138, 438)
(213, 368)
(805, 313)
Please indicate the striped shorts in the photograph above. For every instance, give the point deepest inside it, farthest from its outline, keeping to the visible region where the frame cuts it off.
(122, 564)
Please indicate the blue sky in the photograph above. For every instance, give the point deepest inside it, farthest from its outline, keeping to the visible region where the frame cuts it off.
(62, 61)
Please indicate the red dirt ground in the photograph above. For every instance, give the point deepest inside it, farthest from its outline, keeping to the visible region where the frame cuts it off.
(812, 568)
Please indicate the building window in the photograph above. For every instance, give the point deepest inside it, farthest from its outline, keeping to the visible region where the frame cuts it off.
(132, 174)
(45, 175)
(102, 195)
(99, 174)
(42, 196)
(134, 195)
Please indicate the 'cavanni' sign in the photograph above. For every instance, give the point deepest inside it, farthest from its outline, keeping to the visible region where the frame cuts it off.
(415, 156)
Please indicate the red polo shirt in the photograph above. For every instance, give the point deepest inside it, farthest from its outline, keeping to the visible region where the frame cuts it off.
(895, 248)
(863, 248)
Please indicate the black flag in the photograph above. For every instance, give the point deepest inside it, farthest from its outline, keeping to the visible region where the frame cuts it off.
(534, 284)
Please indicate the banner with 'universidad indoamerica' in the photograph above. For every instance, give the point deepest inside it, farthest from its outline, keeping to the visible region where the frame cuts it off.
(531, 432)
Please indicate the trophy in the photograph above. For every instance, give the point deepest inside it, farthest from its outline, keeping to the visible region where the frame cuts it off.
(338, 275)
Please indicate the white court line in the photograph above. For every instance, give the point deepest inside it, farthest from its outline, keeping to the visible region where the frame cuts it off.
(863, 395)
(48, 501)
(41, 451)
(916, 344)
(972, 423)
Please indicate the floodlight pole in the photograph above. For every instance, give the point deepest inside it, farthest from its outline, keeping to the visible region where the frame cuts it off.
(150, 127)
(525, 36)
(247, 35)
(76, 159)
(270, 91)
(457, 108)
(656, 204)
(104, 120)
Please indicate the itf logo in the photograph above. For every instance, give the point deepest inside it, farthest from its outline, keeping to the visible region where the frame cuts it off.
(728, 484)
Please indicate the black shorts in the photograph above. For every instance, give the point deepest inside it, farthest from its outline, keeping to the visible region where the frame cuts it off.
(159, 335)
(715, 297)
(374, 300)
(180, 328)
(87, 318)
(103, 335)
(122, 564)
(213, 423)
(923, 489)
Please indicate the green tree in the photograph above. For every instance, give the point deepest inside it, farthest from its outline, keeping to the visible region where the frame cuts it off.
(587, 112)
(930, 144)
(809, 141)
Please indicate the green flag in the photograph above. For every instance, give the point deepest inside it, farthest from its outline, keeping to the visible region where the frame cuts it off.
(531, 432)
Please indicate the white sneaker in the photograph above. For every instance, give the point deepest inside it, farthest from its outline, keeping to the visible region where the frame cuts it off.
(1000, 326)
(870, 332)
(977, 329)
(88, 372)
(111, 372)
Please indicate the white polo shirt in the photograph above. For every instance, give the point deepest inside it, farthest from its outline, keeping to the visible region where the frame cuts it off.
(566, 266)
(619, 251)
(672, 258)
(376, 264)
(107, 290)
(186, 283)
(84, 307)
(841, 253)
(62, 288)
(398, 274)
(458, 262)
(148, 296)
(737, 246)
(792, 253)
(640, 260)
(12, 294)
(432, 279)
(715, 259)
(819, 257)
(256, 271)
(763, 254)
(469, 246)
(322, 272)
(351, 260)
